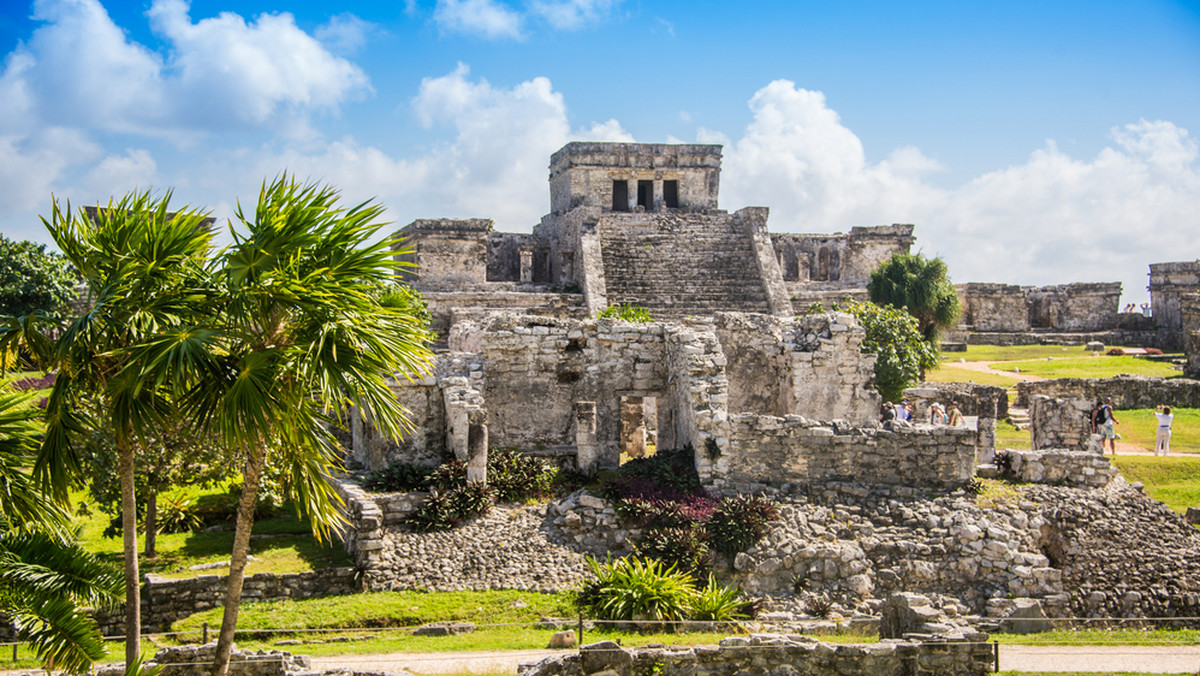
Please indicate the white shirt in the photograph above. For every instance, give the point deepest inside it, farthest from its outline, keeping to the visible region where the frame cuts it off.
(1164, 420)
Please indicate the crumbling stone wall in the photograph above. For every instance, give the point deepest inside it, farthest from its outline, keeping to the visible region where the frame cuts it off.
(1169, 283)
(1190, 313)
(1058, 466)
(1061, 423)
(985, 401)
(811, 366)
(1126, 391)
(1065, 307)
(808, 258)
(768, 450)
(776, 654)
(450, 252)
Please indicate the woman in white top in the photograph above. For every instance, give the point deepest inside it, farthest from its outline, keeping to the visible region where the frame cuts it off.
(1162, 440)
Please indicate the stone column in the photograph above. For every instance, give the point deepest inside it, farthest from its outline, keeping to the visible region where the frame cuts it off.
(587, 454)
(657, 198)
(526, 264)
(631, 192)
(477, 445)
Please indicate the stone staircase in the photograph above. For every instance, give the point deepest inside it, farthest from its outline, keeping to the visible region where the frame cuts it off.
(1019, 416)
(676, 264)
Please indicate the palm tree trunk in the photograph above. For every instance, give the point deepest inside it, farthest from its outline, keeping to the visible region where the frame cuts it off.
(237, 561)
(151, 523)
(133, 590)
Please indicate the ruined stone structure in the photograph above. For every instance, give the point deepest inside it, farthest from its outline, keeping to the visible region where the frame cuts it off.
(1190, 316)
(1066, 308)
(638, 223)
(783, 400)
(1169, 282)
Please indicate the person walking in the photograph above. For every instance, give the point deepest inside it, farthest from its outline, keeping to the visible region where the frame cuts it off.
(1105, 420)
(1162, 440)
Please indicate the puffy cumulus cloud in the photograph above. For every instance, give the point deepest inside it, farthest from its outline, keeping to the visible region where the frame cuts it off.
(1052, 219)
(118, 174)
(797, 157)
(346, 33)
(485, 18)
(572, 14)
(34, 166)
(79, 69)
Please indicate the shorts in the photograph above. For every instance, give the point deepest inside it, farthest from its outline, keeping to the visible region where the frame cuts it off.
(1107, 431)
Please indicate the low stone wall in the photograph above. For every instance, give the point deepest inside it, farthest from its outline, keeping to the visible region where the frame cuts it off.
(362, 534)
(164, 601)
(196, 660)
(1163, 340)
(1061, 423)
(1193, 355)
(1060, 466)
(776, 654)
(985, 401)
(772, 451)
(1126, 391)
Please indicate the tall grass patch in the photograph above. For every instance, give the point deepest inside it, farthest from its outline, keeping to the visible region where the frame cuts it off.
(1173, 480)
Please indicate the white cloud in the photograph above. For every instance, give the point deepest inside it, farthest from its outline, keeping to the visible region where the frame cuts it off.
(1052, 219)
(486, 18)
(572, 14)
(119, 174)
(345, 33)
(79, 69)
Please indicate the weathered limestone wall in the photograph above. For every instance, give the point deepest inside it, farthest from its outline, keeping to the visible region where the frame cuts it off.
(769, 450)
(840, 257)
(985, 401)
(1190, 314)
(1059, 466)
(1061, 423)
(776, 654)
(828, 294)
(517, 257)
(1066, 307)
(810, 366)
(583, 173)
(1163, 340)
(1169, 282)
(1126, 391)
(449, 252)
(447, 306)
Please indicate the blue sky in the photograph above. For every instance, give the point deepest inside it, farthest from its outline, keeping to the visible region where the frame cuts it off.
(1030, 142)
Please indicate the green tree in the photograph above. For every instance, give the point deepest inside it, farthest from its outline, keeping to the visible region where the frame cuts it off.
(922, 287)
(172, 455)
(34, 280)
(45, 579)
(293, 336)
(894, 337)
(145, 268)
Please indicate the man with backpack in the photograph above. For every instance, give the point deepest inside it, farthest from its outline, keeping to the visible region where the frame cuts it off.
(1102, 424)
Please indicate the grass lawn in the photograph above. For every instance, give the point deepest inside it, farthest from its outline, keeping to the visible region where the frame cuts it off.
(1015, 352)
(291, 550)
(1088, 367)
(1103, 637)
(1139, 426)
(1008, 436)
(1174, 481)
(950, 374)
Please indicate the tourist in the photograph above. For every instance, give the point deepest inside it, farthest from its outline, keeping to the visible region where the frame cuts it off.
(1162, 440)
(1104, 424)
(1093, 418)
(905, 411)
(937, 414)
(1146, 309)
(955, 417)
(889, 412)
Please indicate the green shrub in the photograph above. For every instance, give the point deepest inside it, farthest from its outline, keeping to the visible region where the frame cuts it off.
(473, 499)
(739, 522)
(518, 477)
(398, 476)
(684, 548)
(177, 514)
(627, 312)
(435, 514)
(718, 603)
(636, 589)
(448, 475)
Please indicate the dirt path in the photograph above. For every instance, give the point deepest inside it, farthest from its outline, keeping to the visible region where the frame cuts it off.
(1139, 659)
(985, 367)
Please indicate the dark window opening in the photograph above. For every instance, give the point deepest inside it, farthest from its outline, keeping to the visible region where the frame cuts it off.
(620, 196)
(671, 194)
(646, 195)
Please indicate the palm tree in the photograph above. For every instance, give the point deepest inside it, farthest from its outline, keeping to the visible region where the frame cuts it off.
(44, 578)
(144, 267)
(920, 285)
(293, 337)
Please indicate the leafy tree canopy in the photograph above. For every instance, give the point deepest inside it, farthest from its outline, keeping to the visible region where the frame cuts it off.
(34, 280)
(901, 352)
(919, 285)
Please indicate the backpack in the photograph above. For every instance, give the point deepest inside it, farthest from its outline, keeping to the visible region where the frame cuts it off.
(1102, 415)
